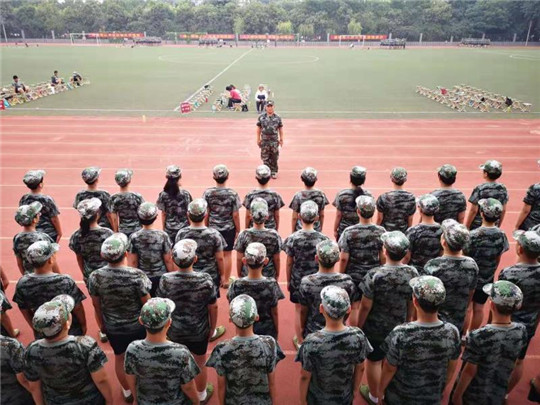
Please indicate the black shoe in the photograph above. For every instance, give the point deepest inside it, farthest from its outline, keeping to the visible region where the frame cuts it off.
(534, 396)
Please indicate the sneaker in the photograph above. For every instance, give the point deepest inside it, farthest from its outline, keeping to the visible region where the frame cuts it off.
(16, 333)
(296, 343)
(103, 337)
(534, 396)
(364, 391)
(220, 331)
(209, 393)
(274, 175)
(129, 398)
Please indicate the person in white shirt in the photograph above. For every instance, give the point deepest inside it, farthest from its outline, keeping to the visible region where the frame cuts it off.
(261, 96)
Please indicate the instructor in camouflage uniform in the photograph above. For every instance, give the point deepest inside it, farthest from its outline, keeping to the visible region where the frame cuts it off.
(269, 126)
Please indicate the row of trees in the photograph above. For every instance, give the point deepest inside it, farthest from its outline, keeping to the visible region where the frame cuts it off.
(436, 19)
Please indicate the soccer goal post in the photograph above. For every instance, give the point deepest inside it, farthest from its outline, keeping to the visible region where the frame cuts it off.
(78, 38)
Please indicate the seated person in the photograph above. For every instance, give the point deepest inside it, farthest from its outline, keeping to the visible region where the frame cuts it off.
(76, 79)
(234, 96)
(55, 80)
(19, 86)
(261, 96)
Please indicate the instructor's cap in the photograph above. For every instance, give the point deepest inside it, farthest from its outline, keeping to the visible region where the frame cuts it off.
(328, 253)
(39, 252)
(398, 174)
(491, 207)
(263, 172)
(114, 247)
(26, 213)
(89, 207)
(90, 174)
(184, 252)
(504, 294)
(455, 234)
(365, 204)
(33, 177)
(147, 211)
(255, 254)
(428, 288)
(309, 174)
(173, 172)
(220, 172)
(492, 167)
(156, 312)
(123, 177)
(243, 311)
(335, 301)
(395, 242)
(197, 207)
(529, 241)
(428, 203)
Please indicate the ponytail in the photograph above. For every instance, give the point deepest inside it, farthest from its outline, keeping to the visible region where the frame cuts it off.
(85, 224)
(171, 186)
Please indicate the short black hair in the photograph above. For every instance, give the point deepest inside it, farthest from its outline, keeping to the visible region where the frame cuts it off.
(154, 331)
(221, 180)
(56, 71)
(363, 215)
(488, 219)
(504, 310)
(196, 218)
(116, 260)
(15, 77)
(228, 88)
(447, 180)
(254, 266)
(91, 182)
(493, 176)
(399, 182)
(34, 186)
(264, 181)
(396, 257)
(309, 183)
(357, 180)
(147, 221)
(426, 306)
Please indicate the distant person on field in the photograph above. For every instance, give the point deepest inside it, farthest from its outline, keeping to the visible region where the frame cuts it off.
(124, 204)
(529, 215)
(76, 79)
(234, 96)
(18, 86)
(261, 96)
(396, 208)
(55, 80)
(310, 193)
(270, 137)
(452, 202)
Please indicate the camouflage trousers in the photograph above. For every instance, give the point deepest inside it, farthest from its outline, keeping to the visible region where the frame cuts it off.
(270, 155)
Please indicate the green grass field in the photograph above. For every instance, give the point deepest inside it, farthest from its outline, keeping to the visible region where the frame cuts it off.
(308, 82)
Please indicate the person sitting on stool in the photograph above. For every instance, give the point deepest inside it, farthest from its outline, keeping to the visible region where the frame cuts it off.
(234, 96)
(261, 96)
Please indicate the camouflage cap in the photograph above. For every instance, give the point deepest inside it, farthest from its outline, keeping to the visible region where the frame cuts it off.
(220, 172)
(366, 205)
(156, 312)
(259, 210)
(89, 207)
(39, 252)
(358, 172)
(328, 253)
(309, 211)
(529, 241)
(50, 318)
(447, 171)
(395, 242)
(90, 174)
(262, 172)
(504, 294)
(490, 207)
(26, 213)
(33, 177)
(184, 252)
(428, 288)
(173, 172)
(428, 203)
(198, 207)
(309, 174)
(492, 167)
(455, 234)
(270, 103)
(66, 299)
(114, 247)
(335, 301)
(243, 311)
(398, 174)
(123, 177)
(255, 254)
(147, 211)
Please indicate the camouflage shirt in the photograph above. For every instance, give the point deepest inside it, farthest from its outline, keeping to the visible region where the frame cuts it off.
(120, 291)
(532, 198)
(22, 241)
(487, 190)
(421, 353)
(397, 206)
(425, 243)
(222, 203)
(11, 364)
(527, 278)
(271, 241)
(125, 205)
(192, 292)
(451, 203)
(388, 287)
(48, 211)
(89, 247)
(246, 363)
(64, 368)
(345, 202)
(269, 125)
(317, 196)
(150, 245)
(363, 244)
(272, 198)
(494, 350)
(266, 293)
(161, 370)
(310, 296)
(331, 358)
(209, 242)
(103, 196)
(485, 246)
(459, 276)
(175, 209)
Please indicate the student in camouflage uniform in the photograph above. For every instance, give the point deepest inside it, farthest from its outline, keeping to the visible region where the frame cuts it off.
(310, 193)
(259, 233)
(210, 243)
(49, 221)
(386, 302)
(173, 202)
(86, 241)
(27, 216)
(491, 171)
(526, 275)
(452, 202)
(149, 248)
(35, 289)
(160, 371)
(424, 238)
(529, 215)
(118, 292)
(269, 126)
(124, 204)
(246, 364)
(491, 351)
(6, 327)
(421, 356)
(195, 316)
(223, 205)
(67, 369)
(458, 273)
(333, 357)
(272, 198)
(396, 208)
(345, 201)
(486, 246)
(309, 292)
(263, 289)
(90, 176)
